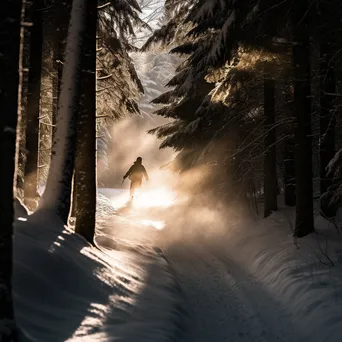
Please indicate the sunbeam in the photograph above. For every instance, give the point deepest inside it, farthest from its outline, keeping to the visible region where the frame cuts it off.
(154, 198)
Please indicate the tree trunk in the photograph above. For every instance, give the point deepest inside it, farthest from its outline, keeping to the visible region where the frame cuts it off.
(74, 195)
(61, 17)
(85, 168)
(56, 82)
(33, 105)
(58, 188)
(270, 158)
(23, 103)
(57, 77)
(327, 119)
(302, 108)
(10, 17)
(22, 131)
(289, 174)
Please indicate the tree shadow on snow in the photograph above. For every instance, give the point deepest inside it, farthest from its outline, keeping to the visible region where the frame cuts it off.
(57, 279)
(154, 312)
(64, 288)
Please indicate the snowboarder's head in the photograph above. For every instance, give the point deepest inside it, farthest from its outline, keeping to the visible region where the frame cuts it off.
(139, 160)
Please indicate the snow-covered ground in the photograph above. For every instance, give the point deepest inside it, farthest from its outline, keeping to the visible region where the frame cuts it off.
(297, 276)
(246, 280)
(67, 290)
(225, 277)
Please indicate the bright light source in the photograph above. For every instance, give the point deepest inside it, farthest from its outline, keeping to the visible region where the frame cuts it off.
(159, 225)
(154, 198)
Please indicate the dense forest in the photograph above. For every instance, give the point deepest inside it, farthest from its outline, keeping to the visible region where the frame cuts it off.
(256, 102)
(255, 106)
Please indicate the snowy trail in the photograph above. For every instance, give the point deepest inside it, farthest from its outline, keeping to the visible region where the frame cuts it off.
(239, 284)
(225, 303)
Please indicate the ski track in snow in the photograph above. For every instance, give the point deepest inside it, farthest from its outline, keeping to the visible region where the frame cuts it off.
(225, 303)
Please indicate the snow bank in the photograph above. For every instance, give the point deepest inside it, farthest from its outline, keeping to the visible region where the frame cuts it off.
(67, 290)
(298, 274)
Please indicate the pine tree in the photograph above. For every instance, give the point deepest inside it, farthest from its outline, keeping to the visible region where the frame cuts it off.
(116, 95)
(302, 109)
(328, 21)
(10, 17)
(288, 146)
(85, 163)
(270, 160)
(327, 119)
(289, 173)
(59, 17)
(212, 36)
(33, 104)
(57, 195)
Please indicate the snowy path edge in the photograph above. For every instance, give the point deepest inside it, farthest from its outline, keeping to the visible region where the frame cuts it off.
(294, 276)
(181, 314)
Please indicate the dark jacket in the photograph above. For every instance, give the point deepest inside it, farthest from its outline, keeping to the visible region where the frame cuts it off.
(136, 172)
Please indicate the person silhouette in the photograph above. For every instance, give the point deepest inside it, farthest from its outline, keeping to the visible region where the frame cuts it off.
(136, 173)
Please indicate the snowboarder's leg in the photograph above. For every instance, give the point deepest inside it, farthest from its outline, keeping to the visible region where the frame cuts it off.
(132, 190)
(135, 184)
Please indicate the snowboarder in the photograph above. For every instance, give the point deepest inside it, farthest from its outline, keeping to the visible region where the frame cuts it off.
(135, 174)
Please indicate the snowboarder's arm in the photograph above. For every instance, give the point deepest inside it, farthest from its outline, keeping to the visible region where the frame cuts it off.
(128, 173)
(145, 174)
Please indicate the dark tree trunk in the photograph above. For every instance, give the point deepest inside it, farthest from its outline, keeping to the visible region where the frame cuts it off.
(302, 108)
(22, 127)
(33, 105)
(270, 158)
(289, 174)
(327, 119)
(10, 16)
(74, 196)
(62, 16)
(85, 168)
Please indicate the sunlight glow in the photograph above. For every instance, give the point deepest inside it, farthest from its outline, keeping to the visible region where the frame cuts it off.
(154, 198)
(159, 225)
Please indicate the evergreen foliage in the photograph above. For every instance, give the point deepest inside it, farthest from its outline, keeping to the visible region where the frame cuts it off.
(218, 99)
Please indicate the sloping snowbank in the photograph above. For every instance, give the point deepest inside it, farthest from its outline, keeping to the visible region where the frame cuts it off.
(302, 279)
(67, 290)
